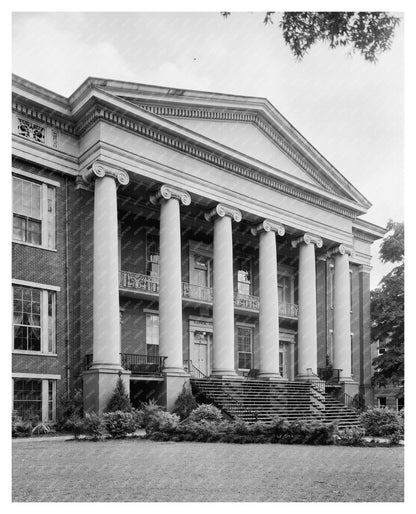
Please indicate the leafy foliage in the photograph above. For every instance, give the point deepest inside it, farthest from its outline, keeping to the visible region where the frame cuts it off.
(94, 426)
(387, 311)
(381, 422)
(369, 33)
(20, 428)
(119, 423)
(206, 412)
(185, 403)
(42, 428)
(119, 400)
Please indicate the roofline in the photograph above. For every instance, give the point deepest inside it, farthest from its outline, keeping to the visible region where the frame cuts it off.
(370, 229)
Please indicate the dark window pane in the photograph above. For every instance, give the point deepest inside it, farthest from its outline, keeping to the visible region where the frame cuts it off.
(34, 232)
(19, 228)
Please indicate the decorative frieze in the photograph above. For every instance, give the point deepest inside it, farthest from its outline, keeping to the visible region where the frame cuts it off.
(166, 192)
(269, 226)
(31, 130)
(308, 239)
(221, 210)
(99, 169)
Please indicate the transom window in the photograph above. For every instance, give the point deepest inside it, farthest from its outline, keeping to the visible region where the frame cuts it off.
(152, 255)
(152, 335)
(244, 345)
(33, 213)
(34, 319)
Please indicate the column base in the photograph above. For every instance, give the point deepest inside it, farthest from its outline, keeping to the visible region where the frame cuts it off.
(172, 387)
(177, 371)
(224, 373)
(303, 377)
(98, 387)
(270, 376)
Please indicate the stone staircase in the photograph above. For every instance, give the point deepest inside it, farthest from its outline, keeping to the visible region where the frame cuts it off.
(263, 400)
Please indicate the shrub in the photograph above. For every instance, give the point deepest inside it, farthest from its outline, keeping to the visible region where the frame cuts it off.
(161, 421)
(94, 426)
(185, 403)
(138, 417)
(74, 424)
(381, 422)
(72, 405)
(119, 423)
(148, 410)
(20, 428)
(207, 413)
(119, 400)
(42, 428)
(351, 436)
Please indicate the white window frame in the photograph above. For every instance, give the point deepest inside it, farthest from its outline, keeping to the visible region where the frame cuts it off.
(378, 402)
(149, 263)
(151, 337)
(243, 282)
(46, 380)
(47, 220)
(251, 329)
(45, 327)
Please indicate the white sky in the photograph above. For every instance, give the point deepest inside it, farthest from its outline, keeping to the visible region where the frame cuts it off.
(350, 110)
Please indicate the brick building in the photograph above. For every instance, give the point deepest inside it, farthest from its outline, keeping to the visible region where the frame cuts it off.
(163, 235)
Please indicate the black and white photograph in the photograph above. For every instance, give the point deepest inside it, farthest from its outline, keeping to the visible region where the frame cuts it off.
(206, 210)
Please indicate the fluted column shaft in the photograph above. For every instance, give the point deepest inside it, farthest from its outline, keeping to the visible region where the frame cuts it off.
(223, 363)
(170, 277)
(269, 300)
(307, 317)
(342, 323)
(106, 310)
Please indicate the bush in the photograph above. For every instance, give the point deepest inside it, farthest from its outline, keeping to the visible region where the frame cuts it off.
(20, 428)
(71, 406)
(119, 401)
(185, 403)
(161, 421)
(94, 426)
(119, 423)
(381, 422)
(351, 436)
(75, 425)
(42, 428)
(207, 413)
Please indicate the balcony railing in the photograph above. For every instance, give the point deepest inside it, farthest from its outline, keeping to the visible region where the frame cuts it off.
(150, 284)
(136, 363)
(330, 375)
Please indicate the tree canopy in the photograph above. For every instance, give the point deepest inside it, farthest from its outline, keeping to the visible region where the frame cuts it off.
(387, 311)
(369, 33)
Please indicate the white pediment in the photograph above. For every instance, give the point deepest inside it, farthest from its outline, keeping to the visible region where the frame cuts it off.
(248, 139)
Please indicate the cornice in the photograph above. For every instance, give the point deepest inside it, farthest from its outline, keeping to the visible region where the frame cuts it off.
(195, 150)
(269, 226)
(41, 116)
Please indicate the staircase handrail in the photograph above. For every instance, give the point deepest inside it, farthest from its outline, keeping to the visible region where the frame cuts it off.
(196, 371)
(355, 403)
(316, 381)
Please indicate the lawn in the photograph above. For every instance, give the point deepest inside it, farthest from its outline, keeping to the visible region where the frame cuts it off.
(145, 471)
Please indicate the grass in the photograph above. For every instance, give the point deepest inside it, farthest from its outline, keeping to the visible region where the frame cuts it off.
(145, 471)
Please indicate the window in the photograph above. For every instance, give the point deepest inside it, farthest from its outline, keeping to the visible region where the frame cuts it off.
(381, 401)
(34, 314)
(152, 335)
(33, 213)
(330, 348)
(244, 344)
(351, 289)
(244, 275)
(380, 349)
(152, 255)
(400, 403)
(331, 286)
(352, 353)
(34, 398)
(202, 270)
(285, 289)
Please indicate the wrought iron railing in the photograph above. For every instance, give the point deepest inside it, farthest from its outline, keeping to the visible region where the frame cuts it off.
(136, 363)
(150, 284)
(330, 375)
(142, 364)
(195, 372)
(316, 381)
(352, 403)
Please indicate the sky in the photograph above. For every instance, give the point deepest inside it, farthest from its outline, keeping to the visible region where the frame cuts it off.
(350, 110)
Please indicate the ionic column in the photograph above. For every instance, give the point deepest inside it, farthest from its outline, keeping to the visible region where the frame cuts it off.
(342, 311)
(269, 299)
(223, 308)
(307, 325)
(106, 311)
(170, 276)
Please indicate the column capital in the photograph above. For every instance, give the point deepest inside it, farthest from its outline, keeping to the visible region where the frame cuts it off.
(340, 250)
(221, 210)
(268, 226)
(166, 192)
(100, 169)
(307, 239)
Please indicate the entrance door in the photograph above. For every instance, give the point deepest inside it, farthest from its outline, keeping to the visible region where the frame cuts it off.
(284, 359)
(201, 349)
